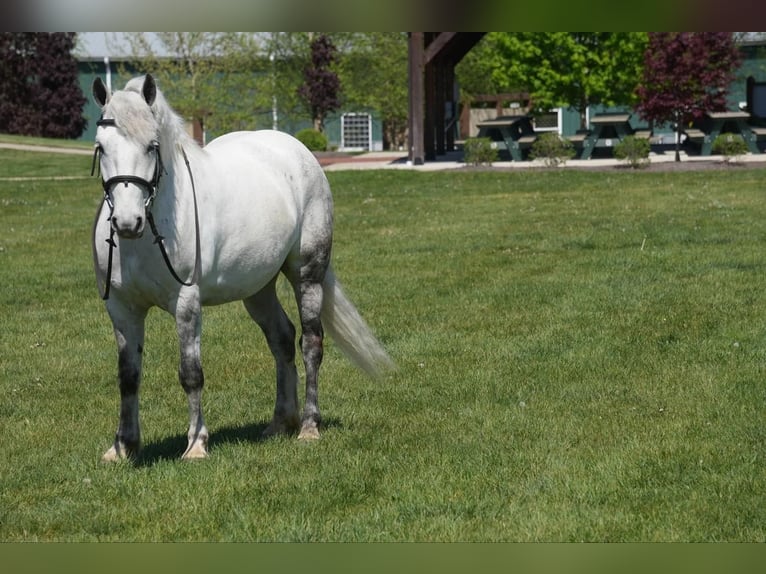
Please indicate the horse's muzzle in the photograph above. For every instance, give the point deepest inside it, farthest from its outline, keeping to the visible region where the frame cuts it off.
(131, 228)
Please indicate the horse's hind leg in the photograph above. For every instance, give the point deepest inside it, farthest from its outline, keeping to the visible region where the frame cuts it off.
(266, 310)
(309, 295)
(129, 333)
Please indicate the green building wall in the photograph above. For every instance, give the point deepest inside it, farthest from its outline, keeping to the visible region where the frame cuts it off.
(754, 64)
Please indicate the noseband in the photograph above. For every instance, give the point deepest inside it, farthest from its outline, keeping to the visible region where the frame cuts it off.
(151, 187)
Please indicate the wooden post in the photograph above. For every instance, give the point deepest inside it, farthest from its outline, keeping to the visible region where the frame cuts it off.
(432, 59)
(415, 131)
(465, 119)
(430, 112)
(451, 97)
(198, 131)
(440, 118)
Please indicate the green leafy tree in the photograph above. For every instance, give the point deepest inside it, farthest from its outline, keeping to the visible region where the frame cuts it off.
(373, 71)
(572, 69)
(288, 54)
(372, 68)
(212, 78)
(476, 72)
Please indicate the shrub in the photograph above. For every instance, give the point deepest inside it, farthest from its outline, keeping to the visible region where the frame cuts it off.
(479, 151)
(634, 150)
(730, 146)
(552, 149)
(312, 139)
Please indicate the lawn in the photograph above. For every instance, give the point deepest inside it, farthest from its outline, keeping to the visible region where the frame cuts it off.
(581, 358)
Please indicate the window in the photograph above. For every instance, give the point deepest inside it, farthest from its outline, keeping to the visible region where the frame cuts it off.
(548, 122)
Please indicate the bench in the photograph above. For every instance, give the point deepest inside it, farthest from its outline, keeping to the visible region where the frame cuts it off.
(578, 138)
(643, 134)
(512, 133)
(583, 142)
(695, 136)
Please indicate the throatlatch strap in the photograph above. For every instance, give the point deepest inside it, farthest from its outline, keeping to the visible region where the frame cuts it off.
(198, 256)
(159, 239)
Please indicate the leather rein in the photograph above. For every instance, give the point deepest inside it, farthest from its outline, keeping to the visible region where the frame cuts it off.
(151, 187)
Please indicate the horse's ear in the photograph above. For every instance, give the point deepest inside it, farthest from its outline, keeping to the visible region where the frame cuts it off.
(100, 92)
(149, 90)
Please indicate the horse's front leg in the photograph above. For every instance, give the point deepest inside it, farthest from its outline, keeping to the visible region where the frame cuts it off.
(129, 332)
(189, 326)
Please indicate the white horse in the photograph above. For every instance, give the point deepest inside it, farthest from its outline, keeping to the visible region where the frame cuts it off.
(226, 219)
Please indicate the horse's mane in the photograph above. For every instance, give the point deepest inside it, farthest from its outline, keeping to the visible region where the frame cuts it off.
(160, 123)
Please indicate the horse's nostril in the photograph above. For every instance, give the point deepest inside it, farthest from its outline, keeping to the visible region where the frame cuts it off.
(139, 222)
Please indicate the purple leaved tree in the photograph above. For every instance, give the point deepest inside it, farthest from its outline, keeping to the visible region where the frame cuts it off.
(685, 75)
(321, 85)
(40, 94)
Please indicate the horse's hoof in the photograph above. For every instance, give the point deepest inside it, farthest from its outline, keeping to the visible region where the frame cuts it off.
(195, 454)
(117, 453)
(196, 451)
(112, 456)
(308, 433)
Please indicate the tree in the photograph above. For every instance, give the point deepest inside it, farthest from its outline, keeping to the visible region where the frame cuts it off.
(287, 53)
(321, 84)
(39, 90)
(372, 67)
(265, 72)
(685, 75)
(475, 73)
(572, 69)
(212, 78)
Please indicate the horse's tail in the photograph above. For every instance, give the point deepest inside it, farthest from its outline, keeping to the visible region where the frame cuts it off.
(350, 332)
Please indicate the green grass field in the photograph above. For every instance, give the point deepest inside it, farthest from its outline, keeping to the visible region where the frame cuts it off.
(581, 358)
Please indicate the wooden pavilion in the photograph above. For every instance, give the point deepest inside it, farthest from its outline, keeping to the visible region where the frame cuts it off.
(433, 102)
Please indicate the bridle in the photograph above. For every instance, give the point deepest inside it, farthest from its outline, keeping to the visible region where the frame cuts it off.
(109, 184)
(151, 186)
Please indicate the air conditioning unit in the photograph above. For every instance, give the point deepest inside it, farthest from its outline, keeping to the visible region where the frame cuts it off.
(356, 132)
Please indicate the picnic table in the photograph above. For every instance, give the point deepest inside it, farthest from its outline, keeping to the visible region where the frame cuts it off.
(713, 125)
(512, 133)
(606, 130)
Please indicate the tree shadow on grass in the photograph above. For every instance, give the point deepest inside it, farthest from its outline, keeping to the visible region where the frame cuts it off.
(172, 447)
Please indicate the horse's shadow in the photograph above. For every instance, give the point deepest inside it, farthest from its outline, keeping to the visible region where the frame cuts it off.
(171, 447)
